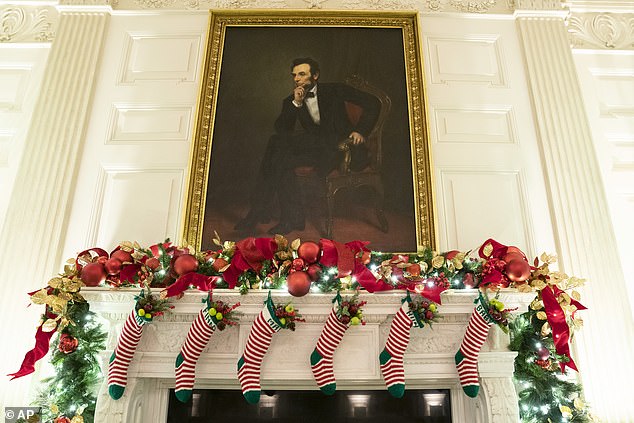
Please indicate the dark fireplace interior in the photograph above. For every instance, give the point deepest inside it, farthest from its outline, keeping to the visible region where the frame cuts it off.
(224, 405)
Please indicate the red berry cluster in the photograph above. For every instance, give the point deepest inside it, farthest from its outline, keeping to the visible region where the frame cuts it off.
(426, 310)
(351, 311)
(287, 315)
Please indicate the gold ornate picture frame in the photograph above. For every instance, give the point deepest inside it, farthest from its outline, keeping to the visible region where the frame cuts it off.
(245, 77)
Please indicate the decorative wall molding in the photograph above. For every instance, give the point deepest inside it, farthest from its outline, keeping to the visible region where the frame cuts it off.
(602, 30)
(27, 24)
(535, 4)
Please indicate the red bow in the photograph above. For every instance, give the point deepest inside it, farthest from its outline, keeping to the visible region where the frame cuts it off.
(557, 320)
(250, 252)
(344, 256)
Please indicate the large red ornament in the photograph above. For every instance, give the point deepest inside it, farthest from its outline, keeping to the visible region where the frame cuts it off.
(124, 256)
(67, 343)
(113, 266)
(518, 270)
(185, 263)
(309, 251)
(61, 419)
(298, 283)
(93, 274)
(314, 271)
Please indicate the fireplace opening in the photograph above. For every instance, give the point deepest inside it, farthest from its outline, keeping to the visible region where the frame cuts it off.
(214, 406)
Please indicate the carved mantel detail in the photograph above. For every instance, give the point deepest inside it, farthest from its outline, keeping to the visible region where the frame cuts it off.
(429, 359)
(27, 24)
(602, 30)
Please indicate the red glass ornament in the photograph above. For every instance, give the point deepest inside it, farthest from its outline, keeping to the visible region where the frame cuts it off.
(309, 251)
(185, 263)
(298, 264)
(518, 270)
(124, 256)
(543, 353)
(93, 274)
(314, 272)
(298, 283)
(113, 266)
(61, 419)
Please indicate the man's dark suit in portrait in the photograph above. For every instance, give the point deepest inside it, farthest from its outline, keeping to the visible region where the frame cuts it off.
(312, 123)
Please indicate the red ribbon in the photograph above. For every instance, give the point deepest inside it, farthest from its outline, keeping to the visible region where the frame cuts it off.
(344, 256)
(201, 282)
(557, 320)
(249, 254)
(42, 341)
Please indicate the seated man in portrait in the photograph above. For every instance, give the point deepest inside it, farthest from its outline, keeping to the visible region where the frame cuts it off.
(318, 110)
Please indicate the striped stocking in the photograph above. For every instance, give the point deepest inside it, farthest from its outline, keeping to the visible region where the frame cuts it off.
(123, 353)
(197, 338)
(258, 342)
(321, 358)
(467, 357)
(391, 358)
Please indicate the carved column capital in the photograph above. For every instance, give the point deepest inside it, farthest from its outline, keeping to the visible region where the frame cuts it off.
(602, 30)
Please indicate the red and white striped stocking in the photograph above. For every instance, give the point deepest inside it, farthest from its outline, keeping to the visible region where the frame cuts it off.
(321, 358)
(391, 358)
(123, 353)
(258, 342)
(467, 357)
(197, 338)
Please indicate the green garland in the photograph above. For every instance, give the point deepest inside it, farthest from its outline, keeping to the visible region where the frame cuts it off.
(545, 395)
(72, 391)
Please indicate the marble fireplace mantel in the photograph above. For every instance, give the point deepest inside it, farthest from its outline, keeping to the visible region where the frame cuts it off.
(429, 361)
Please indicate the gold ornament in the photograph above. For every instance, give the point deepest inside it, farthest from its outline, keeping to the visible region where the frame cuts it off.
(77, 419)
(565, 411)
(541, 315)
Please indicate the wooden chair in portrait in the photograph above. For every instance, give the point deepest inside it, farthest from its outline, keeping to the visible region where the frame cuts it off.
(346, 178)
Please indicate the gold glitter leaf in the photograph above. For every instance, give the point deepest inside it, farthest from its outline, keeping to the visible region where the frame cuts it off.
(55, 282)
(487, 250)
(49, 325)
(77, 419)
(541, 315)
(39, 297)
(295, 244)
(65, 296)
(545, 331)
(565, 411)
(127, 246)
(579, 404)
(437, 262)
(576, 295)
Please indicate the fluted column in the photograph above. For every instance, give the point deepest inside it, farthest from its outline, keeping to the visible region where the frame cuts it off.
(583, 229)
(37, 216)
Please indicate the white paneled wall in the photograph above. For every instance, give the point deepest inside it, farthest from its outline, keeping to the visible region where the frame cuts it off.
(133, 174)
(608, 78)
(21, 71)
(488, 176)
